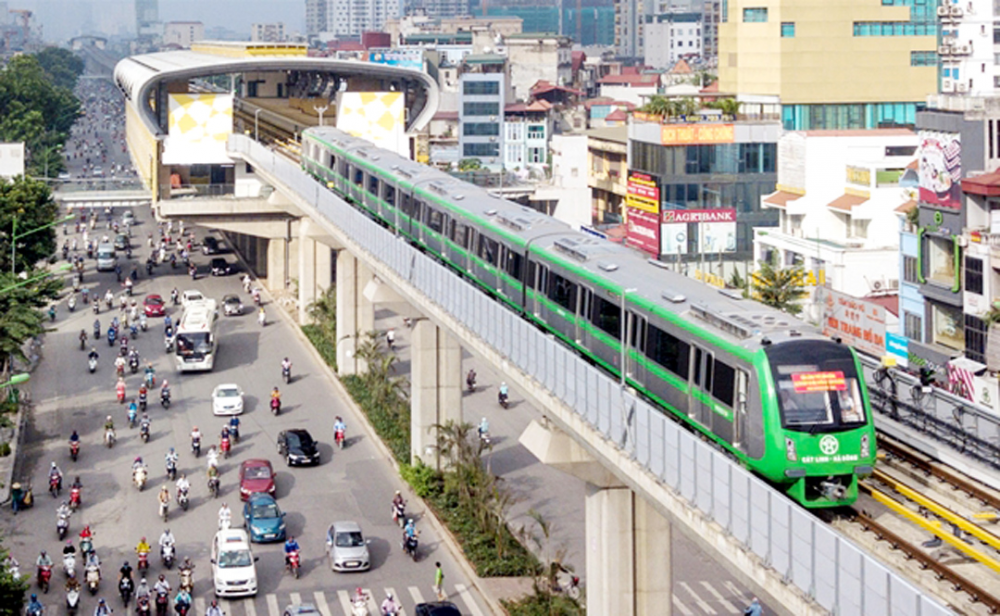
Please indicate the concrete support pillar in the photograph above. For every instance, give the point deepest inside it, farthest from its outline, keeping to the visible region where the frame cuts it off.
(628, 555)
(436, 388)
(314, 270)
(355, 314)
(277, 262)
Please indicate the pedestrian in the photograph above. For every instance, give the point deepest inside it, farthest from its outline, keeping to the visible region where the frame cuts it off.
(439, 584)
(16, 496)
(754, 609)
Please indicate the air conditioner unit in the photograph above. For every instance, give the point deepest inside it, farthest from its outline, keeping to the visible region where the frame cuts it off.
(956, 11)
(894, 284)
(967, 49)
(963, 241)
(943, 11)
(493, 118)
(961, 87)
(944, 50)
(947, 85)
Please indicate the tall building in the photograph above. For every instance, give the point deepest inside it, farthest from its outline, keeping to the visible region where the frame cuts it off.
(147, 18)
(267, 33)
(439, 8)
(483, 87)
(968, 64)
(183, 33)
(316, 17)
(587, 22)
(672, 36)
(630, 17)
(355, 17)
(849, 64)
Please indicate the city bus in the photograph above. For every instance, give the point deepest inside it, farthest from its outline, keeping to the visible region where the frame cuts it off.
(196, 341)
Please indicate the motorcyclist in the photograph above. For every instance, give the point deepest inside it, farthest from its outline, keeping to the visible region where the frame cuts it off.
(72, 583)
(234, 426)
(102, 609)
(137, 464)
(143, 392)
(225, 517)
(503, 391)
(261, 316)
(142, 590)
(165, 389)
(162, 585)
(339, 427)
(166, 539)
(213, 610)
(43, 560)
(34, 607)
(142, 548)
(171, 458)
(150, 373)
(83, 338)
(55, 473)
(125, 571)
(93, 354)
(410, 530)
(64, 512)
(144, 423)
(213, 458)
(163, 497)
(120, 365)
(183, 599)
(195, 435)
(390, 607)
(133, 409)
(286, 364)
(74, 438)
(484, 427)
(291, 545)
(93, 560)
(69, 548)
(183, 485)
(359, 596)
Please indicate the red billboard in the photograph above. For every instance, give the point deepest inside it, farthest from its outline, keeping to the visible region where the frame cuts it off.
(643, 192)
(643, 230)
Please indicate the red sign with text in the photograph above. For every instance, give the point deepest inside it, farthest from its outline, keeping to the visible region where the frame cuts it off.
(811, 382)
(643, 230)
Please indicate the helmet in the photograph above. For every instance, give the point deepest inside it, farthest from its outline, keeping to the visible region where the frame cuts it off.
(171, 450)
(34, 597)
(43, 552)
(358, 590)
(125, 564)
(194, 429)
(53, 464)
(109, 417)
(138, 459)
(410, 521)
(165, 382)
(65, 504)
(397, 492)
(142, 581)
(161, 577)
(69, 542)
(166, 531)
(143, 540)
(388, 595)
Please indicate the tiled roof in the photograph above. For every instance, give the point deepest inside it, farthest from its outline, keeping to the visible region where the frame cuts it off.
(445, 115)
(780, 198)
(617, 116)
(907, 207)
(542, 86)
(681, 68)
(987, 184)
(578, 58)
(845, 202)
(630, 80)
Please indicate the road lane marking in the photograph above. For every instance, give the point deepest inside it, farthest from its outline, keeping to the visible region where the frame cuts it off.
(469, 601)
(371, 600)
(705, 607)
(272, 604)
(399, 600)
(345, 600)
(718, 597)
(296, 598)
(683, 609)
(249, 607)
(321, 605)
(742, 596)
(415, 593)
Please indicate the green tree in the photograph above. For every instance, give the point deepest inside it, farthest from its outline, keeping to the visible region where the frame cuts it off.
(657, 105)
(62, 66)
(684, 106)
(470, 164)
(323, 311)
(12, 590)
(21, 317)
(30, 202)
(728, 106)
(779, 288)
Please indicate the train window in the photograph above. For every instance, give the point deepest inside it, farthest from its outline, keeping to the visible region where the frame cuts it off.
(470, 238)
(390, 193)
(723, 387)
(333, 163)
(409, 205)
(373, 184)
(637, 336)
(543, 278)
(359, 178)
(817, 384)
(435, 219)
(667, 350)
(458, 233)
(512, 263)
(488, 249)
(606, 315)
(562, 291)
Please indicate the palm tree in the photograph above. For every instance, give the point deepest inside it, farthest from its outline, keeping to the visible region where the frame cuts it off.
(657, 105)
(778, 288)
(729, 106)
(683, 106)
(323, 312)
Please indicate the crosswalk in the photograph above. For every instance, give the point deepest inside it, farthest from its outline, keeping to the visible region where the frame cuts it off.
(704, 599)
(338, 602)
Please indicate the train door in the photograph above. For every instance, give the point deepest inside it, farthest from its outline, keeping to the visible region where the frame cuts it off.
(740, 410)
(702, 368)
(635, 334)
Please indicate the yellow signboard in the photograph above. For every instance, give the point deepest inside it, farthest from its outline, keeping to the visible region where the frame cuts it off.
(693, 134)
(859, 175)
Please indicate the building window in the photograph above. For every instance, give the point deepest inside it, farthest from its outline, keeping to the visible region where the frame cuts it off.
(913, 326)
(515, 154)
(514, 131)
(481, 149)
(481, 88)
(788, 29)
(488, 129)
(859, 228)
(975, 338)
(481, 109)
(941, 262)
(894, 28)
(536, 131)
(910, 270)
(974, 275)
(755, 15)
(923, 58)
(536, 155)
(948, 330)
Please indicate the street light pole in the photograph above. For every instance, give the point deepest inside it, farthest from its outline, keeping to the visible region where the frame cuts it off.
(61, 268)
(320, 111)
(624, 333)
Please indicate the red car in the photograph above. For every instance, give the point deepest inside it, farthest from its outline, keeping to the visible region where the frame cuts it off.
(153, 306)
(256, 476)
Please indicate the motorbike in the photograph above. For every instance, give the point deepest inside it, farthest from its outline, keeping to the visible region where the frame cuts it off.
(142, 606)
(182, 498)
(55, 485)
(292, 563)
(168, 344)
(286, 373)
(69, 565)
(132, 416)
(143, 564)
(112, 334)
(213, 486)
(74, 450)
(502, 398)
(109, 438)
(164, 511)
(142, 402)
(470, 381)
(410, 545)
(162, 602)
(165, 398)
(125, 590)
(167, 556)
(44, 575)
(52, 313)
(72, 600)
(96, 306)
(133, 364)
(399, 514)
(187, 579)
(234, 434)
(182, 608)
(150, 380)
(143, 325)
(339, 438)
(484, 437)
(97, 329)
(171, 470)
(121, 394)
(144, 432)
(359, 607)
(71, 304)
(275, 406)
(174, 297)
(83, 340)
(133, 331)
(196, 446)
(62, 526)
(74, 498)
(224, 446)
(93, 578)
(92, 365)
(86, 547)
(139, 478)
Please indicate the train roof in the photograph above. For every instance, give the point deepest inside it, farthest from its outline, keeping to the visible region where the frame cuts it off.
(724, 312)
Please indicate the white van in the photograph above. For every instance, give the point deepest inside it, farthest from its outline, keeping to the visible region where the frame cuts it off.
(233, 569)
(106, 258)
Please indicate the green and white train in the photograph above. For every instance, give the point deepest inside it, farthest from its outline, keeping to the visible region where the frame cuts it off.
(790, 404)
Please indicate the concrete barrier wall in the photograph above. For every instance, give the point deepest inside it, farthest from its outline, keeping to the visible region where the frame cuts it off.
(813, 557)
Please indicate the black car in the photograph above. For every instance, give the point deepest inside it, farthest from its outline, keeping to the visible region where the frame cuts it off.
(121, 242)
(438, 608)
(298, 447)
(210, 246)
(220, 267)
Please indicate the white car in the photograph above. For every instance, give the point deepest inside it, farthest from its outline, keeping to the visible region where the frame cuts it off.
(227, 400)
(190, 296)
(233, 571)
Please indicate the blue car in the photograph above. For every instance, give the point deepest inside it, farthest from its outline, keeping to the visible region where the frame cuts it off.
(263, 519)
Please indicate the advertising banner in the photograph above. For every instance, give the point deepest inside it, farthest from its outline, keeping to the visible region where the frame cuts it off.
(375, 116)
(403, 58)
(643, 193)
(716, 227)
(858, 323)
(643, 230)
(693, 134)
(673, 235)
(199, 126)
(899, 347)
(940, 171)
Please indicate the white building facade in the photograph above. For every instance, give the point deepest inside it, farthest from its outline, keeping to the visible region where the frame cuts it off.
(837, 193)
(671, 37)
(355, 17)
(966, 49)
(183, 33)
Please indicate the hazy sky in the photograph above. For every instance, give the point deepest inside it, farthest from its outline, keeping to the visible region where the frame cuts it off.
(62, 19)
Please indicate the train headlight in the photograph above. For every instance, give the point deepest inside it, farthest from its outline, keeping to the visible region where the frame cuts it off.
(790, 452)
(866, 449)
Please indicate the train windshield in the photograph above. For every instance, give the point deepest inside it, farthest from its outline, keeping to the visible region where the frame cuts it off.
(817, 386)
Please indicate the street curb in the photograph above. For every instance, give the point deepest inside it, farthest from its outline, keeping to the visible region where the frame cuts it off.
(15, 442)
(448, 539)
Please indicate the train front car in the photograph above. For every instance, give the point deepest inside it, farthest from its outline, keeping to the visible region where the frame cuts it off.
(823, 433)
